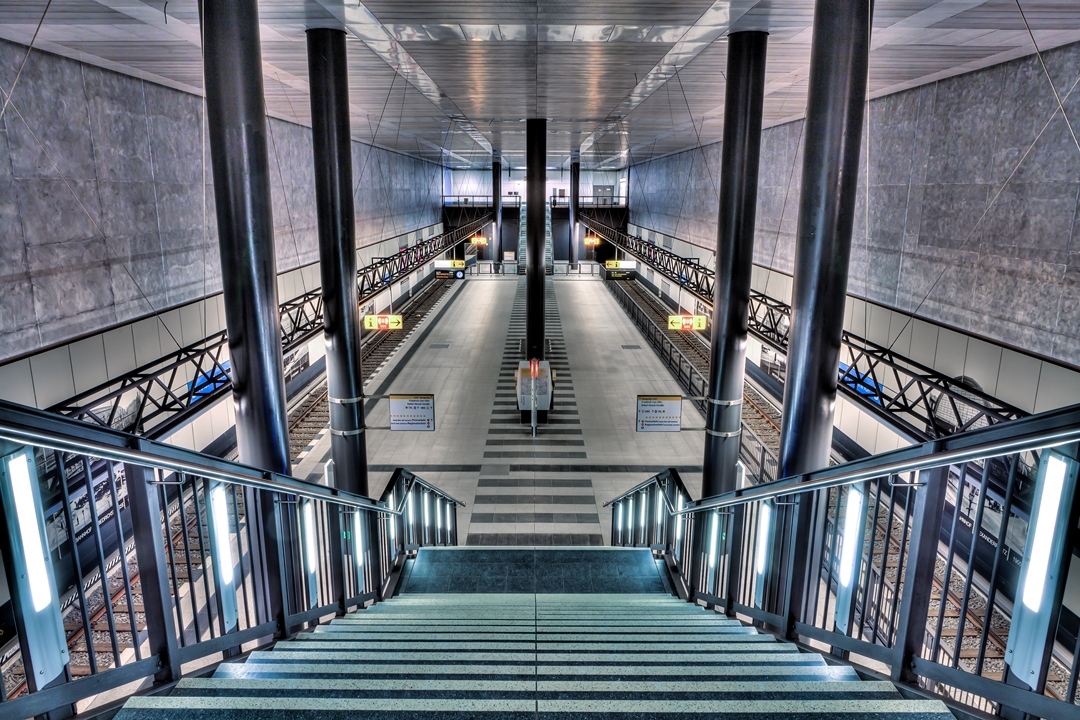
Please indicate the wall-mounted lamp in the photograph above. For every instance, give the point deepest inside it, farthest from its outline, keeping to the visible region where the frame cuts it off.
(851, 543)
(28, 566)
(762, 550)
(221, 548)
(311, 551)
(1045, 566)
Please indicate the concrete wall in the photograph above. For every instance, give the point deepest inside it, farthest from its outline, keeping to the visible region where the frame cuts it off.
(107, 206)
(478, 182)
(973, 192)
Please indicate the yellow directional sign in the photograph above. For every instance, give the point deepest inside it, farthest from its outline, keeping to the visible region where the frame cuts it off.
(687, 322)
(592, 240)
(479, 240)
(457, 264)
(620, 264)
(382, 322)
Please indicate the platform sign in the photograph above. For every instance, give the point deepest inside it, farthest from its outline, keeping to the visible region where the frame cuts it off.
(479, 240)
(449, 264)
(412, 412)
(382, 322)
(591, 241)
(621, 264)
(686, 322)
(659, 413)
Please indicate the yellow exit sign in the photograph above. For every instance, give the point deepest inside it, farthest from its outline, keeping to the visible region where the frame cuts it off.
(382, 322)
(686, 322)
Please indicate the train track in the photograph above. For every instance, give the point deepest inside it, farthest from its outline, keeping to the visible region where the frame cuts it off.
(312, 413)
(757, 412)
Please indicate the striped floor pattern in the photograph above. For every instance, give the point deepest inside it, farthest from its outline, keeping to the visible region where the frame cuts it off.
(534, 508)
(535, 656)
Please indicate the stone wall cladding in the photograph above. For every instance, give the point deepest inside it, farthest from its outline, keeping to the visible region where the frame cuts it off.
(107, 199)
(973, 194)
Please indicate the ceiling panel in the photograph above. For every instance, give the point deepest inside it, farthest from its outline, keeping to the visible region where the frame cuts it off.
(625, 80)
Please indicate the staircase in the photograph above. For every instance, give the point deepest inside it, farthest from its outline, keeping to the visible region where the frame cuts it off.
(549, 263)
(472, 636)
(522, 243)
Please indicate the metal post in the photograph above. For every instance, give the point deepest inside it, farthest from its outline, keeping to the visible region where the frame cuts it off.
(744, 97)
(496, 210)
(147, 520)
(919, 571)
(331, 141)
(536, 200)
(232, 64)
(834, 119)
(575, 201)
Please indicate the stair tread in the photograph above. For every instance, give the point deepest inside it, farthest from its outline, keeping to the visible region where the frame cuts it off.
(536, 656)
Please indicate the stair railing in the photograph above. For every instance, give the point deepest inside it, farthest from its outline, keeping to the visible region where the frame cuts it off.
(910, 560)
(205, 558)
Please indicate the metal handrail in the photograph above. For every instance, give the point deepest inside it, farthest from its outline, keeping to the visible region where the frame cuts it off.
(232, 472)
(431, 488)
(1057, 427)
(639, 488)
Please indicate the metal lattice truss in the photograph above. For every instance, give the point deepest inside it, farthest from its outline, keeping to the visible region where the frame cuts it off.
(162, 395)
(918, 400)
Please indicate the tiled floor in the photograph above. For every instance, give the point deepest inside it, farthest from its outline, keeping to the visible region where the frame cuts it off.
(521, 490)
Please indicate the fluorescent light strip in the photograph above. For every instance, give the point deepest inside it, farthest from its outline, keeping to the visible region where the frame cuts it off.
(29, 531)
(359, 539)
(852, 527)
(764, 518)
(221, 534)
(1045, 527)
(715, 539)
(309, 536)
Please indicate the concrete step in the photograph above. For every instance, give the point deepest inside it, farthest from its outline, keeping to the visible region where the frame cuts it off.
(556, 656)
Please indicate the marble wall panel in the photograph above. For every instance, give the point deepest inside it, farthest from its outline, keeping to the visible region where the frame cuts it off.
(974, 192)
(107, 206)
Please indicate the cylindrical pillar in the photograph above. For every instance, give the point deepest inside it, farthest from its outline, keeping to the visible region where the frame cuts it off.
(744, 97)
(331, 140)
(833, 133)
(535, 221)
(575, 199)
(496, 209)
(232, 64)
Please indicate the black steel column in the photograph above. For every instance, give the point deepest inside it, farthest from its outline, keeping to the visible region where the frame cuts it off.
(328, 79)
(744, 96)
(834, 120)
(496, 209)
(536, 200)
(575, 200)
(232, 64)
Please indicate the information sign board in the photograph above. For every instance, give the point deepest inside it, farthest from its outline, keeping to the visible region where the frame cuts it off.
(412, 412)
(687, 322)
(382, 322)
(659, 413)
(620, 264)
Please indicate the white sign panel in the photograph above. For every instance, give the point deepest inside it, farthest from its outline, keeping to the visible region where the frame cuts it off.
(659, 413)
(412, 412)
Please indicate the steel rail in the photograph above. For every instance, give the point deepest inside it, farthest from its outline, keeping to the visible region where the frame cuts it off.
(1053, 428)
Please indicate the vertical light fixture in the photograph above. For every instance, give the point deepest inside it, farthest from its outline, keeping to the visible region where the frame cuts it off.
(851, 543)
(217, 508)
(358, 539)
(28, 566)
(643, 504)
(1045, 567)
(630, 519)
(392, 520)
(762, 550)
(311, 551)
(714, 538)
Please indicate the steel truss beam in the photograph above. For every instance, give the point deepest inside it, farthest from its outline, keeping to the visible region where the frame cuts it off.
(921, 402)
(162, 395)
